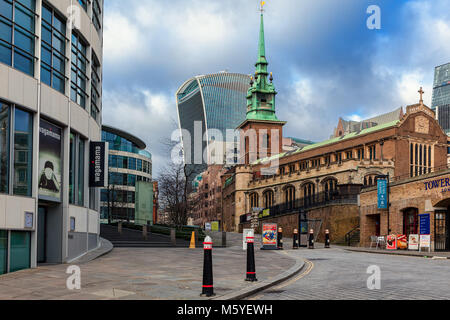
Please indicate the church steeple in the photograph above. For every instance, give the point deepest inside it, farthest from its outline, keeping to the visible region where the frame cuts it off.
(261, 95)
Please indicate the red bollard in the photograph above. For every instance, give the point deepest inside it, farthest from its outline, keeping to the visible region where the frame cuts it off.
(295, 243)
(327, 239)
(208, 288)
(311, 239)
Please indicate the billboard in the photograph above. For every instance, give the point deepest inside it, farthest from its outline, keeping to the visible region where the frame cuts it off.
(98, 167)
(50, 166)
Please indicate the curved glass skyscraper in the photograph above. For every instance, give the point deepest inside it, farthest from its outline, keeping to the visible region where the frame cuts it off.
(215, 101)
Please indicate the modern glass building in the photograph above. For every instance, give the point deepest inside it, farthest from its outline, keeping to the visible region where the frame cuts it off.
(129, 195)
(441, 96)
(50, 111)
(215, 101)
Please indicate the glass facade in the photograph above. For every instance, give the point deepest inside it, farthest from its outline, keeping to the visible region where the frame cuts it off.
(78, 74)
(224, 106)
(53, 53)
(20, 251)
(4, 147)
(76, 169)
(3, 251)
(97, 14)
(23, 152)
(119, 143)
(441, 96)
(17, 34)
(95, 86)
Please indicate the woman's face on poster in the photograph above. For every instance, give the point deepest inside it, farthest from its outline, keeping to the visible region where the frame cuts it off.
(48, 173)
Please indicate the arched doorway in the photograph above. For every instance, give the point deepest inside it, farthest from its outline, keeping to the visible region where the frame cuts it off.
(410, 221)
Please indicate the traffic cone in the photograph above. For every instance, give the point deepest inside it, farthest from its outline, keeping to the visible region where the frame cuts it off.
(295, 241)
(251, 272)
(280, 239)
(327, 239)
(192, 245)
(311, 239)
(208, 287)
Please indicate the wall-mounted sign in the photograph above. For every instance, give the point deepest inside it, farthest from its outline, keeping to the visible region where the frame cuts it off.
(413, 242)
(391, 242)
(98, 165)
(269, 236)
(424, 223)
(29, 220)
(50, 145)
(382, 193)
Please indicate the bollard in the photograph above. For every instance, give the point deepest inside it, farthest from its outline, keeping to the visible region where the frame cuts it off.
(144, 232)
(208, 288)
(119, 227)
(311, 239)
(173, 237)
(251, 271)
(327, 239)
(280, 239)
(295, 241)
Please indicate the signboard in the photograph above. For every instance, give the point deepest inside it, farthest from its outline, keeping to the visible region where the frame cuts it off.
(98, 165)
(215, 226)
(29, 220)
(50, 171)
(402, 242)
(391, 242)
(266, 213)
(208, 226)
(424, 222)
(245, 234)
(425, 241)
(413, 242)
(269, 236)
(382, 193)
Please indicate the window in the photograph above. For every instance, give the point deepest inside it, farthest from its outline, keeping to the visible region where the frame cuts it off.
(78, 75)
(254, 200)
(20, 251)
(76, 169)
(23, 152)
(372, 153)
(96, 87)
(309, 192)
(83, 3)
(289, 194)
(268, 199)
(53, 52)
(410, 221)
(17, 34)
(4, 147)
(3, 251)
(97, 14)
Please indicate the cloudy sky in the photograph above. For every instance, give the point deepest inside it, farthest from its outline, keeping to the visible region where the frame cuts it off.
(326, 62)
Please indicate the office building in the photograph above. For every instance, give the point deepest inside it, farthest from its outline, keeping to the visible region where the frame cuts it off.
(129, 194)
(50, 112)
(441, 96)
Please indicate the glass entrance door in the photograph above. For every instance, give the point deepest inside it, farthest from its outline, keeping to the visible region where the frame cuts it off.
(441, 231)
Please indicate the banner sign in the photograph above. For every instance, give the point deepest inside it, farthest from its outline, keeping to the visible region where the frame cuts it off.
(413, 242)
(382, 193)
(269, 236)
(424, 222)
(402, 242)
(98, 165)
(391, 242)
(50, 166)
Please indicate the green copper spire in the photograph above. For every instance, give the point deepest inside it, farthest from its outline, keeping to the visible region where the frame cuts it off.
(261, 95)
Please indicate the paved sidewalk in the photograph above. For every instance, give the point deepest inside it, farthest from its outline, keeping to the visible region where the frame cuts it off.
(435, 255)
(144, 273)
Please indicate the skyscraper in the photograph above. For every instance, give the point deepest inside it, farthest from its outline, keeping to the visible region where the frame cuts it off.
(215, 101)
(441, 96)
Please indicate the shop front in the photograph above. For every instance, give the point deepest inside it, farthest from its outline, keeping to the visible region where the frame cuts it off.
(419, 209)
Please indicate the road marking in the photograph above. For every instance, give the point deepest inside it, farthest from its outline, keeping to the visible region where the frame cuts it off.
(309, 266)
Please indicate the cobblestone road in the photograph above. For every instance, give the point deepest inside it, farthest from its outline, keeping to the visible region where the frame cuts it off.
(336, 274)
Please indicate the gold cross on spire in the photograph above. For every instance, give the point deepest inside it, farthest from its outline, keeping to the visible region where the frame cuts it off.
(262, 6)
(421, 92)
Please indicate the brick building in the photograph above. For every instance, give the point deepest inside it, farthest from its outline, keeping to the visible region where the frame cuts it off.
(318, 185)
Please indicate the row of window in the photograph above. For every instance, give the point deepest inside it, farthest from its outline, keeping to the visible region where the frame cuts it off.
(130, 163)
(115, 196)
(123, 179)
(326, 160)
(96, 12)
(17, 49)
(420, 159)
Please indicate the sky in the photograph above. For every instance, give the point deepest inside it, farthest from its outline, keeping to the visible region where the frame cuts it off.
(326, 63)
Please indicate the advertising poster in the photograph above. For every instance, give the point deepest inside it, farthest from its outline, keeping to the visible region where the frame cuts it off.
(50, 144)
(215, 226)
(208, 226)
(402, 242)
(391, 243)
(425, 241)
(269, 235)
(413, 242)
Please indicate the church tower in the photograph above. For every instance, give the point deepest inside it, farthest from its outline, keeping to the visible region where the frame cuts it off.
(261, 132)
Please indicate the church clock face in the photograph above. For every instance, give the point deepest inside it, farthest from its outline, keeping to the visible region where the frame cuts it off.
(422, 125)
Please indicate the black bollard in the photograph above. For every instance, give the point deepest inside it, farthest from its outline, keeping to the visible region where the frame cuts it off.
(295, 241)
(311, 239)
(327, 239)
(251, 271)
(280, 239)
(208, 288)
